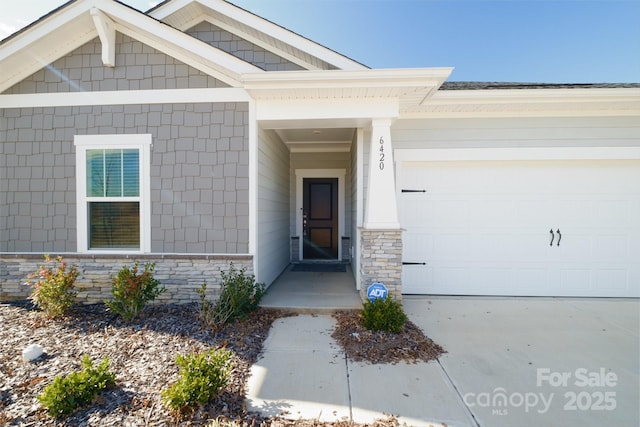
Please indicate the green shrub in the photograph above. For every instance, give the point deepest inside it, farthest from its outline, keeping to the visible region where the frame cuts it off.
(239, 296)
(132, 291)
(66, 394)
(383, 314)
(54, 287)
(202, 376)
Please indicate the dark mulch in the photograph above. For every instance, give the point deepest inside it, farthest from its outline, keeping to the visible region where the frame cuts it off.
(361, 344)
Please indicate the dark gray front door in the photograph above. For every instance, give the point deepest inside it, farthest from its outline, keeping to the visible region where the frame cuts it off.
(320, 218)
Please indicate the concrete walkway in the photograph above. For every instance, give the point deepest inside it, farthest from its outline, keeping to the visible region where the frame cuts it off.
(314, 292)
(510, 362)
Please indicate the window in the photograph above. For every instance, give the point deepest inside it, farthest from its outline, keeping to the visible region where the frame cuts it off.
(113, 192)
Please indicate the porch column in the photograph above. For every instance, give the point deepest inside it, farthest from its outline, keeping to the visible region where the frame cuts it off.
(381, 210)
(381, 236)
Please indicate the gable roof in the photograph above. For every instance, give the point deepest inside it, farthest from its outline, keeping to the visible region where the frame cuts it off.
(184, 14)
(79, 21)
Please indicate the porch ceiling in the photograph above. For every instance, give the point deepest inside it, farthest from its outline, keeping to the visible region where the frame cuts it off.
(317, 139)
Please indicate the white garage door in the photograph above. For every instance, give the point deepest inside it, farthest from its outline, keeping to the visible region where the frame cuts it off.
(554, 228)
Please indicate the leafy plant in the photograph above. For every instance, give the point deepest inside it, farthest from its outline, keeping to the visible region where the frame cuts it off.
(66, 394)
(54, 287)
(132, 290)
(239, 296)
(383, 314)
(202, 376)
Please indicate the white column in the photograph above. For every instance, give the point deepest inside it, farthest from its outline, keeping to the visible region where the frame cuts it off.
(381, 208)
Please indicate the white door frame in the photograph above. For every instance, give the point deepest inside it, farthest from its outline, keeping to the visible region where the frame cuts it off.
(301, 174)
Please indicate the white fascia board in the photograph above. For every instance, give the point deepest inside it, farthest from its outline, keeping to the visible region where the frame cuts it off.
(268, 47)
(41, 30)
(596, 102)
(167, 8)
(267, 27)
(401, 77)
(518, 153)
(287, 36)
(321, 109)
(519, 96)
(177, 44)
(35, 48)
(128, 97)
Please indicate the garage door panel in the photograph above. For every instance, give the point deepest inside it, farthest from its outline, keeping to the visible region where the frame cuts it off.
(483, 227)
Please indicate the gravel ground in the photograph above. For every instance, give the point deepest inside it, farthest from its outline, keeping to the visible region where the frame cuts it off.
(142, 355)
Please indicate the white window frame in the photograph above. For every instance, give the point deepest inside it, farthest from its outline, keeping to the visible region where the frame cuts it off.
(142, 142)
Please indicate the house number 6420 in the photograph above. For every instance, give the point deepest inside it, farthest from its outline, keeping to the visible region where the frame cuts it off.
(381, 164)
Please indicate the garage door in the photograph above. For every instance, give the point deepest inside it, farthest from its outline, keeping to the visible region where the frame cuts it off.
(543, 228)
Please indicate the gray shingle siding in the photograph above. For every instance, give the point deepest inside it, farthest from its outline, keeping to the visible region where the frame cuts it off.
(241, 48)
(138, 67)
(199, 174)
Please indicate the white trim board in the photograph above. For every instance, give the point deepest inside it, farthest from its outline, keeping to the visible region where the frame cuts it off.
(128, 97)
(320, 173)
(525, 153)
(143, 143)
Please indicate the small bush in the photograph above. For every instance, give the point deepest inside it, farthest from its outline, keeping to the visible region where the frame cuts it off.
(66, 394)
(54, 287)
(207, 308)
(132, 291)
(202, 376)
(383, 314)
(239, 296)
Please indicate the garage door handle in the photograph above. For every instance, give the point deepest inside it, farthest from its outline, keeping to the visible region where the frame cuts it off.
(559, 236)
(404, 190)
(414, 263)
(552, 237)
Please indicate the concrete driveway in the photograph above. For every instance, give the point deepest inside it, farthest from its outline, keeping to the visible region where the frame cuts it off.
(510, 362)
(538, 361)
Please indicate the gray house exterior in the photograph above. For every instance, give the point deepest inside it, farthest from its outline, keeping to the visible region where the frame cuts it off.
(195, 134)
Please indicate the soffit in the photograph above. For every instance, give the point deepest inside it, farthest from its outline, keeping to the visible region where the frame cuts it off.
(529, 102)
(308, 140)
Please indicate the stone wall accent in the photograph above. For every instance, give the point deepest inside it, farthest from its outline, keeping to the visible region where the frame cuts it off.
(182, 275)
(346, 247)
(295, 249)
(138, 67)
(381, 260)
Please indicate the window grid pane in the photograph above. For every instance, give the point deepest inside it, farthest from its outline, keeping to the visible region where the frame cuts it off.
(113, 173)
(95, 173)
(114, 225)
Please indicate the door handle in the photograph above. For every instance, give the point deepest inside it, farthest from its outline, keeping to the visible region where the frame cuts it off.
(552, 237)
(559, 236)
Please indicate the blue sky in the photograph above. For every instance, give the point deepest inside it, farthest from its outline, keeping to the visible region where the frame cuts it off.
(555, 41)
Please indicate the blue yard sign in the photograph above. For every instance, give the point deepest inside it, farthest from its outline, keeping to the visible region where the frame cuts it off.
(377, 290)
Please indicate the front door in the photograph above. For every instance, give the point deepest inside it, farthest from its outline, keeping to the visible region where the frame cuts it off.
(320, 218)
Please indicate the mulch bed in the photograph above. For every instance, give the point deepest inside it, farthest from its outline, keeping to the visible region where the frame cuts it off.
(363, 345)
(142, 355)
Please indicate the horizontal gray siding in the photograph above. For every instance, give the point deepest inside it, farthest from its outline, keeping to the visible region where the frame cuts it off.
(138, 67)
(199, 174)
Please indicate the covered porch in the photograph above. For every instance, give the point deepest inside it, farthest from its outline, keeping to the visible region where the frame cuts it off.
(324, 171)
